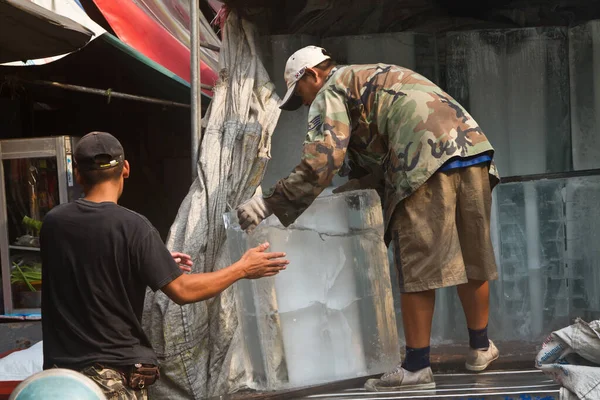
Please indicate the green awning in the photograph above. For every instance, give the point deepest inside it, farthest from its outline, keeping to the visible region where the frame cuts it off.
(149, 72)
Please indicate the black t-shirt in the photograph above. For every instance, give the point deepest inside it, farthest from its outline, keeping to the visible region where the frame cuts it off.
(97, 260)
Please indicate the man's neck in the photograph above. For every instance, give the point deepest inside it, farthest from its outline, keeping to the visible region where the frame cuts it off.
(103, 192)
(328, 72)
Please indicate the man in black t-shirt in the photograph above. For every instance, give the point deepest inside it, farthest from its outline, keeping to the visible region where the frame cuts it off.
(97, 260)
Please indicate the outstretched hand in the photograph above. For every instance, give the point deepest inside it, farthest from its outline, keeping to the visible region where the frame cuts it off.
(257, 263)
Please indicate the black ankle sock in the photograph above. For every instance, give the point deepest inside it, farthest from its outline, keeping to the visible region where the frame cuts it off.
(416, 359)
(478, 339)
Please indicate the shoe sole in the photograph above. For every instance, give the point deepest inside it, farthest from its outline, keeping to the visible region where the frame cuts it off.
(479, 368)
(422, 386)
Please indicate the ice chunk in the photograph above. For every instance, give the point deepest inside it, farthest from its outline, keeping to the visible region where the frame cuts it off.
(330, 315)
(584, 58)
(325, 337)
(515, 83)
(583, 252)
(416, 51)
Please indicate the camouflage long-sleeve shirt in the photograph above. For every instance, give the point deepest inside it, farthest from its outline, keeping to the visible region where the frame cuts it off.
(379, 116)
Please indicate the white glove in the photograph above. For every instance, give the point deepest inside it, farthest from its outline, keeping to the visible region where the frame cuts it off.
(253, 212)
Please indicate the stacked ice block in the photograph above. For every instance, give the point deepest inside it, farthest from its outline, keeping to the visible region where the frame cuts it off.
(584, 63)
(583, 253)
(515, 83)
(416, 51)
(330, 315)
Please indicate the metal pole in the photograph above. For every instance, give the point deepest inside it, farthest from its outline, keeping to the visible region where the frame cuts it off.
(196, 88)
(101, 92)
(210, 46)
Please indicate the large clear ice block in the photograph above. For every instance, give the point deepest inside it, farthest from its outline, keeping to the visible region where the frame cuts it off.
(515, 83)
(584, 63)
(533, 281)
(583, 252)
(330, 314)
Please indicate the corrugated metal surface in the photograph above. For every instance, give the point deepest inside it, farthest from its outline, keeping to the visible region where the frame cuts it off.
(509, 385)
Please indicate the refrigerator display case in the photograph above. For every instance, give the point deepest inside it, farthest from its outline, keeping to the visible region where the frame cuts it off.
(36, 175)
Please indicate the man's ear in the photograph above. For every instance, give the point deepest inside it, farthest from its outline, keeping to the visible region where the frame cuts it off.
(126, 169)
(310, 73)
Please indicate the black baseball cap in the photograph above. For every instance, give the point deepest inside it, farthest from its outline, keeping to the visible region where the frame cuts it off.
(98, 150)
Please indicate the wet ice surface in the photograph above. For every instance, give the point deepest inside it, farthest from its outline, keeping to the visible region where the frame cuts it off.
(416, 51)
(584, 58)
(548, 232)
(330, 315)
(515, 83)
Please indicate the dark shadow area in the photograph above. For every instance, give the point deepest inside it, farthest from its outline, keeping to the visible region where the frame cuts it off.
(156, 138)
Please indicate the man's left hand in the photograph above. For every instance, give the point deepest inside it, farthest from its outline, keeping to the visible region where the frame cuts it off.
(183, 260)
(253, 212)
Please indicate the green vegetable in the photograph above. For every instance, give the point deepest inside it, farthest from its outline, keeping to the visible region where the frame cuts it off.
(32, 224)
(26, 275)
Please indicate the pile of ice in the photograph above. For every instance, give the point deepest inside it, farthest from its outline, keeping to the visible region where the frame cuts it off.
(330, 315)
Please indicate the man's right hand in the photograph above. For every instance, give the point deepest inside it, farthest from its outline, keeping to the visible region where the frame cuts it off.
(256, 263)
(253, 212)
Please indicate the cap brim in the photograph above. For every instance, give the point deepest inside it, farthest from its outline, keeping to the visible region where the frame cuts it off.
(291, 101)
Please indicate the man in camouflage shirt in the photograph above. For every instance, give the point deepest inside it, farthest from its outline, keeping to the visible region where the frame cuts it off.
(432, 165)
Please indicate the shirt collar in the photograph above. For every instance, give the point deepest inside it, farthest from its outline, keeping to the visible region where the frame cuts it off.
(333, 71)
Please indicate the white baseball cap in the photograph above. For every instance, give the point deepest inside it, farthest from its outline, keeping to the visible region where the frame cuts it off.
(295, 67)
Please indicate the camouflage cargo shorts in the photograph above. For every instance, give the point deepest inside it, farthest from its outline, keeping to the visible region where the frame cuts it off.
(113, 384)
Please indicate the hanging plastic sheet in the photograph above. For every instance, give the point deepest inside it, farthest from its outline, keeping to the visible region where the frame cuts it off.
(198, 344)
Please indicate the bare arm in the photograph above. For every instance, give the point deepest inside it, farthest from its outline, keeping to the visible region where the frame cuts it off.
(255, 263)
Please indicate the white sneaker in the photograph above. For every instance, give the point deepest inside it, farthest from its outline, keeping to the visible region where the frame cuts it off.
(479, 360)
(401, 379)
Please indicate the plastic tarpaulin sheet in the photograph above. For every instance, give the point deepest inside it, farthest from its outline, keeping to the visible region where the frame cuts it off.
(198, 344)
(571, 356)
(159, 29)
